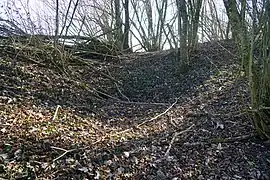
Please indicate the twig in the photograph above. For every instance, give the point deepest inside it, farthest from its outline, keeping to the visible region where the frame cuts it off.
(161, 114)
(172, 121)
(226, 50)
(173, 139)
(142, 103)
(34, 61)
(83, 61)
(93, 91)
(56, 113)
(121, 92)
(220, 140)
(71, 150)
(62, 155)
(96, 53)
(210, 60)
(264, 108)
(105, 95)
(118, 88)
(135, 127)
(58, 148)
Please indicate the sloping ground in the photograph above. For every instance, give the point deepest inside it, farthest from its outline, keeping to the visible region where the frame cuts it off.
(169, 125)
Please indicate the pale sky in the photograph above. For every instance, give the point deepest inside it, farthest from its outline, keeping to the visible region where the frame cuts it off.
(42, 14)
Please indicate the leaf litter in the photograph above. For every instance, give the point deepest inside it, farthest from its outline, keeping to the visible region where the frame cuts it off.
(155, 123)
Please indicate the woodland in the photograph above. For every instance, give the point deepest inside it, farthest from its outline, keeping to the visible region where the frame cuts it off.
(135, 89)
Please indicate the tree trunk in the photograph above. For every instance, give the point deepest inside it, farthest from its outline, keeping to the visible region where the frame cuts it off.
(127, 26)
(188, 27)
(183, 31)
(258, 69)
(239, 29)
(151, 38)
(195, 23)
(56, 23)
(259, 72)
(118, 25)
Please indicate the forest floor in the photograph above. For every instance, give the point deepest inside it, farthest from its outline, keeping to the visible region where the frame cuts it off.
(153, 122)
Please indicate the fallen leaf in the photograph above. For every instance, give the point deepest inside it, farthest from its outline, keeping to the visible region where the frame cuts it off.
(220, 125)
(3, 130)
(83, 169)
(126, 154)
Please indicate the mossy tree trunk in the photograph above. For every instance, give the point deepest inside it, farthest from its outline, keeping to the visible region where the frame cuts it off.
(254, 46)
(259, 69)
(237, 20)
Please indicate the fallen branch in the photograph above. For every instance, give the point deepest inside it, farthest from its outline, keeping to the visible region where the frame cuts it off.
(34, 61)
(161, 114)
(94, 53)
(136, 127)
(174, 137)
(97, 93)
(118, 88)
(84, 61)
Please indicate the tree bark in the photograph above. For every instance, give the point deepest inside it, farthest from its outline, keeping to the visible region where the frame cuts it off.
(118, 25)
(127, 26)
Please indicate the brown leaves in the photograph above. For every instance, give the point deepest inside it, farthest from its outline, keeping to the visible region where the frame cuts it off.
(51, 126)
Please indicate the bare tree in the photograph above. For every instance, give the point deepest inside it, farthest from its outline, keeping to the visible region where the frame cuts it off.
(148, 20)
(162, 12)
(188, 20)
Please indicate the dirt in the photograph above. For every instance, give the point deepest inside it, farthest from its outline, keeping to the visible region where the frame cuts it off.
(156, 121)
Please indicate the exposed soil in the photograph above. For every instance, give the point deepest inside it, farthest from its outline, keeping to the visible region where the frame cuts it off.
(158, 121)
